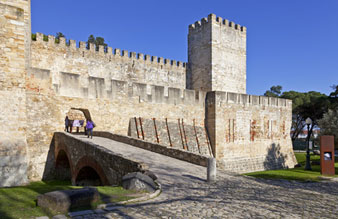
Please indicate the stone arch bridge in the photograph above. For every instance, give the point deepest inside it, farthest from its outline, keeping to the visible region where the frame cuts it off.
(86, 163)
(73, 157)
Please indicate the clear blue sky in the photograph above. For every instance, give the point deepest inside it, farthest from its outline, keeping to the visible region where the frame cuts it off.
(293, 43)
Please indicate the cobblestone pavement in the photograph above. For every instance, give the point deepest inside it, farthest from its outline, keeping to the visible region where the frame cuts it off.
(186, 194)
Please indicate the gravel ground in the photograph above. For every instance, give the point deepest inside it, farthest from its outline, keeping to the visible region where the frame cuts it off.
(186, 194)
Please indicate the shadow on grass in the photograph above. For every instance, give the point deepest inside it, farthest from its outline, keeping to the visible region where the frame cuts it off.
(296, 174)
(20, 202)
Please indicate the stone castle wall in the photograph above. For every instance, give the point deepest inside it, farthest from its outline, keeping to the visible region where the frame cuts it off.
(174, 133)
(250, 133)
(109, 109)
(61, 58)
(248, 129)
(14, 29)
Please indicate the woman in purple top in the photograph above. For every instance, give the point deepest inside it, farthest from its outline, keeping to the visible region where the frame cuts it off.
(89, 127)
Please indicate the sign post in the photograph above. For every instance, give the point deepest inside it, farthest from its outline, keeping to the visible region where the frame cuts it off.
(327, 155)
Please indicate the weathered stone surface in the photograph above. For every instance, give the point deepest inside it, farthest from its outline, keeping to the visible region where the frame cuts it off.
(250, 133)
(108, 114)
(60, 216)
(211, 170)
(80, 213)
(139, 182)
(63, 201)
(42, 217)
(158, 148)
(217, 56)
(94, 70)
(189, 135)
(14, 55)
(150, 174)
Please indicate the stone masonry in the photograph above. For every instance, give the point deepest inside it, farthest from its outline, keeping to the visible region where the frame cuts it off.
(14, 58)
(217, 56)
(41, 80)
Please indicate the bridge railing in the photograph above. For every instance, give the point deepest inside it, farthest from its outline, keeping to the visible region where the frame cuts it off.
(180, 154)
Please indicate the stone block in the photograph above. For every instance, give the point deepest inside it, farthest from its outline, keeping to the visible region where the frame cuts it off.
(64, 200)
(139, 182)
(59, 216)
(150, 174)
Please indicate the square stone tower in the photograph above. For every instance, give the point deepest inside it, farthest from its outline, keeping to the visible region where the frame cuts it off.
(216, 56)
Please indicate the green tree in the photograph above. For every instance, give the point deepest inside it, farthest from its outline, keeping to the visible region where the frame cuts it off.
(335, 92)
(297, 119)
(58, 36)
(275, 91)
(329, 125)
(33, 36)
(91, 39)
(311, 104)
(334, 97)
(97, 41)
(45, 37)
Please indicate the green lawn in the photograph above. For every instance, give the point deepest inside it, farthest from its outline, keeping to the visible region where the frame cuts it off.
(20, 202)
(297, 173)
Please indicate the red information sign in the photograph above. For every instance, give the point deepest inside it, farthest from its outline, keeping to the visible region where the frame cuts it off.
(327, 155)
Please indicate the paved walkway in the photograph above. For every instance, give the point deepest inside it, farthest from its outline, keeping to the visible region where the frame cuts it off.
(187, 195)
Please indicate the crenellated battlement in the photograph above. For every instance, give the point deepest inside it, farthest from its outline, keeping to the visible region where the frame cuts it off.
(103, 88)
(212, 18)
(114, 53)
(225, 98)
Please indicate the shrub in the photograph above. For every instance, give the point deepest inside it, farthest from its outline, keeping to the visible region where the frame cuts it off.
(329, 125)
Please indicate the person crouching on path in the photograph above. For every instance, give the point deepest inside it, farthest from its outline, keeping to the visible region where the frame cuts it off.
(89, 127)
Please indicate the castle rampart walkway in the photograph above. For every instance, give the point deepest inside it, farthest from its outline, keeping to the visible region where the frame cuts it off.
(187, 195)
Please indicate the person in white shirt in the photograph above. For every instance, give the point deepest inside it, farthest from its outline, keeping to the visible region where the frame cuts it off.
(76, 124)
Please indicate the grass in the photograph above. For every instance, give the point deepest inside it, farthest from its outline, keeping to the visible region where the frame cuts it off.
(297, 173)
(20, 202)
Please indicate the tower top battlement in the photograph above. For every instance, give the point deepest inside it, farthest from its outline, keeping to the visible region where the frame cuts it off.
(214, 19)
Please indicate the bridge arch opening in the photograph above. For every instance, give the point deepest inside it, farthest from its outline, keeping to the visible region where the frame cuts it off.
(62, 166)
(75, 119)
(87, 176)
(85, 112)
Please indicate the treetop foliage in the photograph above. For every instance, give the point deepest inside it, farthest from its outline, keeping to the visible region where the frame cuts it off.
(97, 41)
(329, 124)
(274, 91)
(310, 104)
(58, 35)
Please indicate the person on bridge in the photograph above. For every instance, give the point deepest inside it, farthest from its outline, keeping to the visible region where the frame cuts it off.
(77, 124)
(66, 124)
(89, 127)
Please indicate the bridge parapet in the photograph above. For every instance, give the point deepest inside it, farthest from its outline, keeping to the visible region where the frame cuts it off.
(194, 158)
(89, 162)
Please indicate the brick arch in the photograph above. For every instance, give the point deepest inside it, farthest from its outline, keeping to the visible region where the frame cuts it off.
(63, 166)
(85, 112)
(58, 149)
(88, 161)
